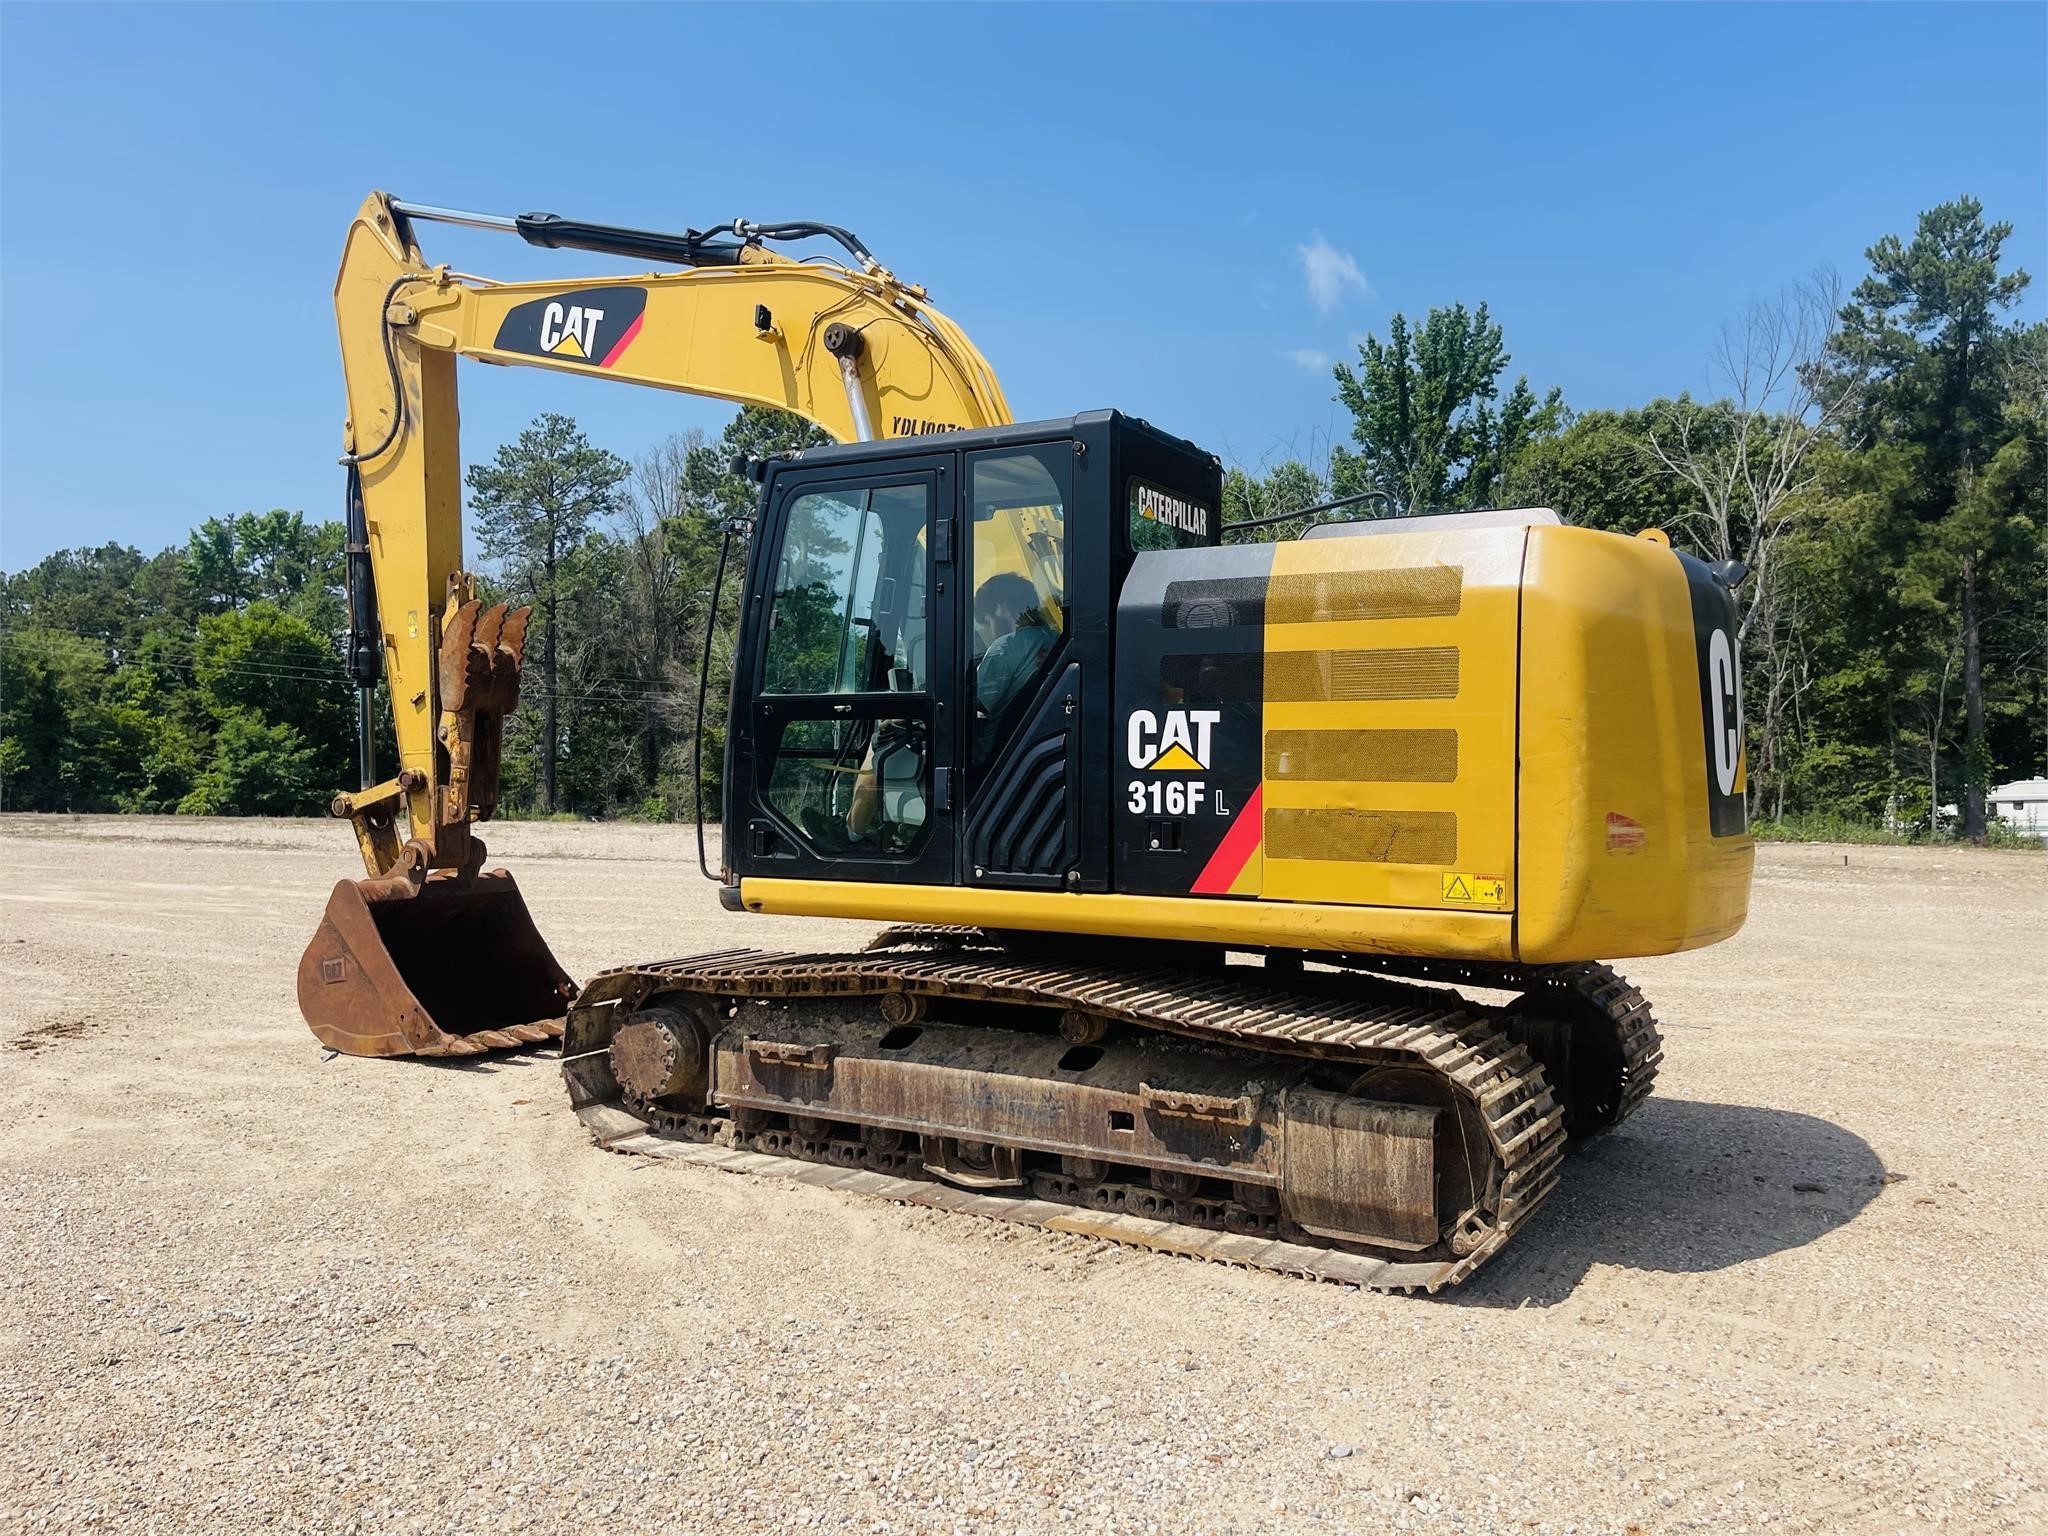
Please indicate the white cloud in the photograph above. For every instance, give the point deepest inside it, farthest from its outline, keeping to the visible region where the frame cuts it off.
(1330, 273)
(1309, 360)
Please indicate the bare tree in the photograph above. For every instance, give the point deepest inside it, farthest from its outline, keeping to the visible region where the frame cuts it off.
(1749, 458)
(1280, 480)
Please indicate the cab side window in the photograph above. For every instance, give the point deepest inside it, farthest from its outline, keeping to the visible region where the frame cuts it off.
(850, 617)
(1018, 615)
(849, 594)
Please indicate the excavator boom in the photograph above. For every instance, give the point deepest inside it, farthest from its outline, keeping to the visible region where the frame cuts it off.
(430, 954)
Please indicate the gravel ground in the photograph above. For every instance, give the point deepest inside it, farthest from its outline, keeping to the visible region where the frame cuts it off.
(248, 1289)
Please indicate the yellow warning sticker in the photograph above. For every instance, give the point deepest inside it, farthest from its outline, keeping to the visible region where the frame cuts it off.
(1475, 890)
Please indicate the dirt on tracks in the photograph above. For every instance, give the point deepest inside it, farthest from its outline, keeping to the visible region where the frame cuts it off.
(248, 1288)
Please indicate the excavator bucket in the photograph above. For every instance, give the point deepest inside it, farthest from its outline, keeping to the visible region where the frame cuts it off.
(451, 967)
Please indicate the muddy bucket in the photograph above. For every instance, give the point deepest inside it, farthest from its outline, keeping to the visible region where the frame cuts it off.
(452, 968)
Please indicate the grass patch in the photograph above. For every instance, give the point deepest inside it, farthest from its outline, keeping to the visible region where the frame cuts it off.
(1834, 827)
(1828, 827)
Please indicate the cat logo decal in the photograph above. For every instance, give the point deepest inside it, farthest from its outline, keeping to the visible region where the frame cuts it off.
(593, 326)
(1179, 743)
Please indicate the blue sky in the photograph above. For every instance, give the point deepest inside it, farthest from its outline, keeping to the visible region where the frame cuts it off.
(1115, 202)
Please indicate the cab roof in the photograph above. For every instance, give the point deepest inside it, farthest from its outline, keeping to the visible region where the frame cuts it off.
(1084, 425)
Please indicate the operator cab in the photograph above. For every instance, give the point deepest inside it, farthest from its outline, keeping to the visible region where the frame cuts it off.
(928, 644)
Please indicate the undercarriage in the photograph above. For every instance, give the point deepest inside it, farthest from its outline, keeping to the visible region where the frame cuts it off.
(1335, 1122)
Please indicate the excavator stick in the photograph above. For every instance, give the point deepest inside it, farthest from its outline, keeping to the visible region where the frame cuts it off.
(425, 959)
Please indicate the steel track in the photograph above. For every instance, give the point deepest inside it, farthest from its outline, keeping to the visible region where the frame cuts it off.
(1589, 993)
(1594, 992)
(1355, 1019)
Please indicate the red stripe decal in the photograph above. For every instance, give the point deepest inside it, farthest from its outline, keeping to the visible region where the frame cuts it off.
(624, 341)
(1231, 855)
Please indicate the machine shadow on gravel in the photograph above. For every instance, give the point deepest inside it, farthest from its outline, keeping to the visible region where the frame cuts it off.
(1685, 1187)
(548, 1060)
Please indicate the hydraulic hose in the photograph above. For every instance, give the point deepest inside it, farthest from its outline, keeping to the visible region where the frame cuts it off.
(391, 366)
(703, 688)
(363, 653)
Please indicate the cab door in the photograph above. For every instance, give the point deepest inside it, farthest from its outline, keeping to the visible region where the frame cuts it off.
(843, 760)
(1027, 668)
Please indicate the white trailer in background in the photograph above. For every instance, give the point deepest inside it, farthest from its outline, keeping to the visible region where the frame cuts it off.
(2022, 805)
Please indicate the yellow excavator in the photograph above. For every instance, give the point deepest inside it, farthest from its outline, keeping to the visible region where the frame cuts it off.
(1188, 847)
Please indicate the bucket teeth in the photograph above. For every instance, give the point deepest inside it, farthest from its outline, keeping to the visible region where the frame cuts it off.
(483, 1042)
(488, 627)
(480, 657)
(510, 1038)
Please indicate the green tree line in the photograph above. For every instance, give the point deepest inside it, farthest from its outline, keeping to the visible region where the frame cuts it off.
(205, 679)
(208, 678)
(1877, 459)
